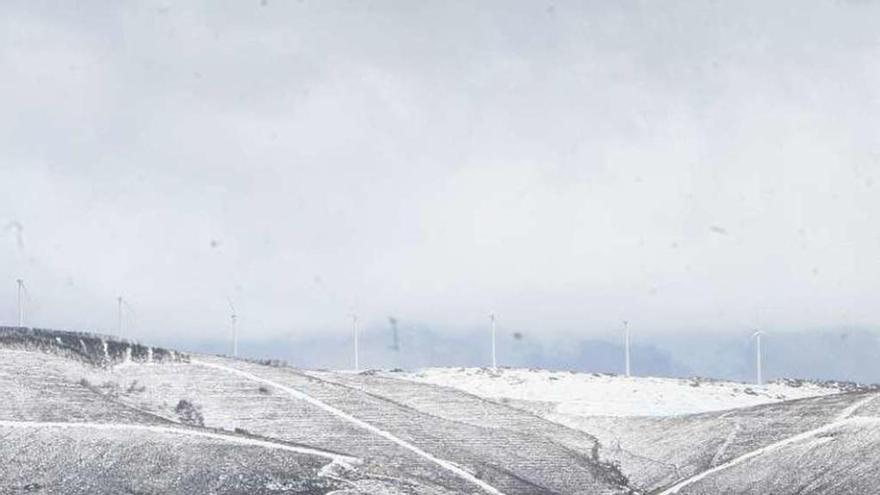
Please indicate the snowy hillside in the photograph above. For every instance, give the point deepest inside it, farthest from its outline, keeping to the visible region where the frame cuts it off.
(592, 394)
(89, 414)
(699, 436)
(340, 439)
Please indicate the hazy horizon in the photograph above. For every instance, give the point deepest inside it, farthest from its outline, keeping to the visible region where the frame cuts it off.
(685, 166)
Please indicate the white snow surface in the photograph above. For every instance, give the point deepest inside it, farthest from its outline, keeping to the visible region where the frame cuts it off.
(588, 394)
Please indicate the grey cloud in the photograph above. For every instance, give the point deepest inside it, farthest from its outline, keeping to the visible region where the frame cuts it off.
(566, 164)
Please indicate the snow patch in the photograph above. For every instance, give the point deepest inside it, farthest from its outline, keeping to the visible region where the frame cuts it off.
(590, 394)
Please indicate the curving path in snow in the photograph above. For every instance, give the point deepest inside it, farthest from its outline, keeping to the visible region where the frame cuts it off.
(844, 418)
(336, 458)
(855, 406)
(447, 465)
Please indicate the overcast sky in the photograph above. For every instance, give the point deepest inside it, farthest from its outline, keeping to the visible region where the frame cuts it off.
(692, 165)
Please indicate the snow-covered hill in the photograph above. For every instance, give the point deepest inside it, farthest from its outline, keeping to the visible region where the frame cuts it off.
(593, 394)
(66, 393)
(89, 414)
(700, 436)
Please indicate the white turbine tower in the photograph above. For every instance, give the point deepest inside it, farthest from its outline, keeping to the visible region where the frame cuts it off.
(626, 346)
(233, 317)
(20, 283)
(354, 330)
(494, 360)
(119, 317)
(757, 336)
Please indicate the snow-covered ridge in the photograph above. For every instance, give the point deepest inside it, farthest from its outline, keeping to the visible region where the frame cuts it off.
(95, 349)
(590, 394)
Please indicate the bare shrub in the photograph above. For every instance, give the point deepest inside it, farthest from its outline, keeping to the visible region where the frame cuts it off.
(189, 413)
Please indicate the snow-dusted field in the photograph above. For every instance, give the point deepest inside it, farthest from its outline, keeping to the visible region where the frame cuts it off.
(88, 414)
(698, 436)
(590, 394)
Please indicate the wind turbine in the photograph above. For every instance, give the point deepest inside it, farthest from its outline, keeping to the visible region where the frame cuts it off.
(233, 317)
(757, 336)
(494, 361)
(119, 315)
(354, 330)
(626, 345)
(395, 341)
(20, 283)
(18, 228)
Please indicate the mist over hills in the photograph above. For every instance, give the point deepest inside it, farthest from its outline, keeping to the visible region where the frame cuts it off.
(220, 194)
(838, 354)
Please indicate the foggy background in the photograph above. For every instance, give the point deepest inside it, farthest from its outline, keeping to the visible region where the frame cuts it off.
(700, 169)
